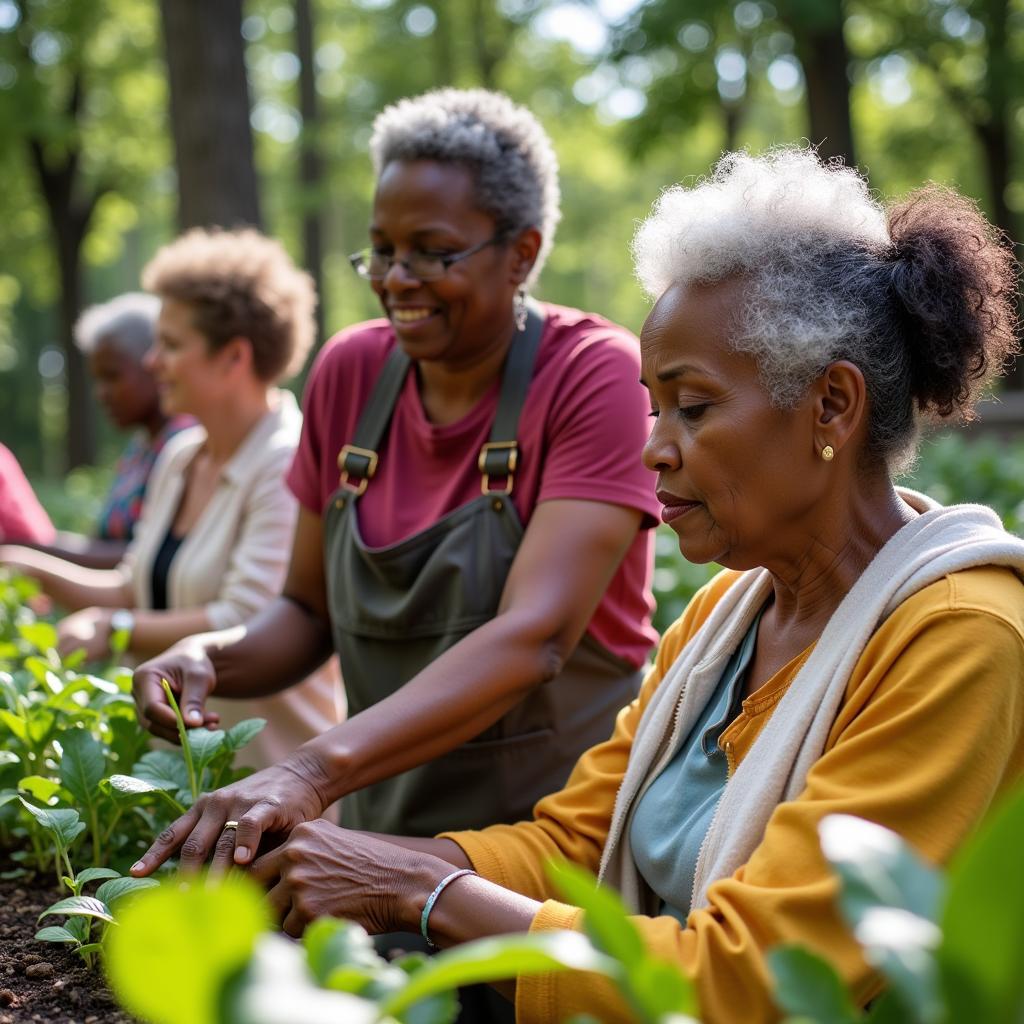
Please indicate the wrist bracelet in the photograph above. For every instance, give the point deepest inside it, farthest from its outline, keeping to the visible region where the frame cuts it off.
(432, 899)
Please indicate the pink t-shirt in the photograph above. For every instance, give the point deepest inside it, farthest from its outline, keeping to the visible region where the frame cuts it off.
(581, 431)
(22, 518)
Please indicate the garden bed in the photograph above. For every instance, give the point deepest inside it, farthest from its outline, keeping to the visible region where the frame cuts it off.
(41, 982)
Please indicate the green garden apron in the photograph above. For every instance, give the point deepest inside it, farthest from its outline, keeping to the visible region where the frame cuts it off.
(395, 609)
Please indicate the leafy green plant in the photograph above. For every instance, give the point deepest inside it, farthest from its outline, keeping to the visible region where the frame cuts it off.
(78, 781)
(243, 973)
(950, 948)
(83, 912)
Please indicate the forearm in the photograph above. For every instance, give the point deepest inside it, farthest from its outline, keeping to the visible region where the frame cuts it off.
(71, 586)
(278, 647)
(89, 552)
(452, 700)
(468, 908)
(155, 631)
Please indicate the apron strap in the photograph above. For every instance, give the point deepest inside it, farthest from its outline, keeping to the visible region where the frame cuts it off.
(498, 457)
(358, 461)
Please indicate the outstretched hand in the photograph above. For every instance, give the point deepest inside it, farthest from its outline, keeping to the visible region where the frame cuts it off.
(270, 802)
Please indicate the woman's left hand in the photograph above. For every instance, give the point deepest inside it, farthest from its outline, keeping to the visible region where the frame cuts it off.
(90, 629)
(323, 870)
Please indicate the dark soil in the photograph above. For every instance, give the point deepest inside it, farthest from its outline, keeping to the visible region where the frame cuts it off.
(43, 982)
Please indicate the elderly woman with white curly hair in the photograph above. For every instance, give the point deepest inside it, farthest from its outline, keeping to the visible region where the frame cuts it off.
(862, 652)
(474, 535)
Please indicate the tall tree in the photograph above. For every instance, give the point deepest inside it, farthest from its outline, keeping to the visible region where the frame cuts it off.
(210, 113)
(972, 49)
(716, 53)
(53, 139)
(80, 102)
(820, 46)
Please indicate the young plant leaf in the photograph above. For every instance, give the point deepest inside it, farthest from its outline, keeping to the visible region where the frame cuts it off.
(878, 869)
(80, 906)
(41, 635)
(331, 944)
(82, 765)
(56, 933)
(14, 724)
(162, 769)
(131, 785)
(890, 898)
(496, 959)
(93, 874)
(605, 920)
(40, 788)
(654, 987)
(245, 731)
(806, 986)
(202, 933)
(983, 922)
(63, 821)
(275, 983)
(117, 888)
(205, 744)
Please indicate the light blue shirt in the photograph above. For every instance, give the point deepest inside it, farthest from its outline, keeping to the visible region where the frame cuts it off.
(672, 818)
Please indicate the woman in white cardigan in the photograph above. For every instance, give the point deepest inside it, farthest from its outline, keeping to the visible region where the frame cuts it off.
(211, 548)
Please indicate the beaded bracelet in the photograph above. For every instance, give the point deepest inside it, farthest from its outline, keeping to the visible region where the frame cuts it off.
(432, 899)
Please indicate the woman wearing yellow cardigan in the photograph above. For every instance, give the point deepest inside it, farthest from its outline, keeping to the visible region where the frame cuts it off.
(862, 653)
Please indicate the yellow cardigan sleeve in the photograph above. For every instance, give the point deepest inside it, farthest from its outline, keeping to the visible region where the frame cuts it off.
(928, 737)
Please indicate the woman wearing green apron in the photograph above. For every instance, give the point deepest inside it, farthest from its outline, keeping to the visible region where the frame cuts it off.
(473, 537)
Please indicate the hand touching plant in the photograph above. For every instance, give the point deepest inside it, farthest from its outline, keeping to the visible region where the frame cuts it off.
(187, 669)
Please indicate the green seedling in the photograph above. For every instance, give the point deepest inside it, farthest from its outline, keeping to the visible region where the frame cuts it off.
(186, 748)
(64, 826)
(88, 917)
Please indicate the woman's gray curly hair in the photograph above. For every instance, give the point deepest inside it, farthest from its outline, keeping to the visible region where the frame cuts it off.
(918, 295)
(501, 143)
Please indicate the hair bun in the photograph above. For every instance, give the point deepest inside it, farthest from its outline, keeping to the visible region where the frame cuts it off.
(955, 277)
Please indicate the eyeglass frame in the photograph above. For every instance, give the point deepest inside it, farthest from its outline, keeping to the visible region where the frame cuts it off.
(359, 263)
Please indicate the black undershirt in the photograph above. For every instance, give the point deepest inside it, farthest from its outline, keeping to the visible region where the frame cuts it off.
(162, 568)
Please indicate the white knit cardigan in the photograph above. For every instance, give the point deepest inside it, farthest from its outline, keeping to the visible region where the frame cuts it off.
(940, 541)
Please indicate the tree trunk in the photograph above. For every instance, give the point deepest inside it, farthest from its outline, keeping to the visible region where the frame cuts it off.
(994, 133)
(70, 212)
(486, 58)
(444, 52)
(310, 164)
(210, 113)
(821, 49)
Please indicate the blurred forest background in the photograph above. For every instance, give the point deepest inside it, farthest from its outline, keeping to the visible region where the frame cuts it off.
(126, 120)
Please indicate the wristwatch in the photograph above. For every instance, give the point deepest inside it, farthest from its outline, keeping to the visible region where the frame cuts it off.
(122, 619)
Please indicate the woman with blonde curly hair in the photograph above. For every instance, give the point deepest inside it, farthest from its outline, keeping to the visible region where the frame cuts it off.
(210, 550)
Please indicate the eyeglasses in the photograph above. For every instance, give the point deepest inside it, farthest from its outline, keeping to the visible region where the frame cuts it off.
(373, 265)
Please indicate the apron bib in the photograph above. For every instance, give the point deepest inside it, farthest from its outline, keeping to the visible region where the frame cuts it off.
(395, 609)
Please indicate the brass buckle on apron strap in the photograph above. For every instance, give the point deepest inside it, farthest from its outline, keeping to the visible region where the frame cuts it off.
(498, 458)
(356, 462)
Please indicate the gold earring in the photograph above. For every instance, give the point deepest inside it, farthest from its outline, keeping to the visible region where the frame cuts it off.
(828, 453)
